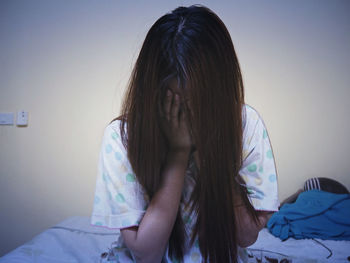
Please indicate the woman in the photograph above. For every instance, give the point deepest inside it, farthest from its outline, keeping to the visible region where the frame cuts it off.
(187, 172)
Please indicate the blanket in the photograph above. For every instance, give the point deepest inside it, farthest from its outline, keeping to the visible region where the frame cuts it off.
(315, 214)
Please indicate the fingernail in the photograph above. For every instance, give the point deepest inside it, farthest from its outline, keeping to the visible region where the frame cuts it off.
(168, 93)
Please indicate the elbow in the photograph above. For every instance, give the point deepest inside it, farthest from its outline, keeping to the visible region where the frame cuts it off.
(146, 256)
(142, 255)
(139, 258)
(248, 229)
(140, 251)
(247, 240)
(248, 235)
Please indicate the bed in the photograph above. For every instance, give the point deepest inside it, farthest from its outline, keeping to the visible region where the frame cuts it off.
(302, 250)
(75, 240)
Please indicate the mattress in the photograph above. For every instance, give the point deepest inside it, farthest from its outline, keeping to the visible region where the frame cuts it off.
(75, 240)
(269, 248)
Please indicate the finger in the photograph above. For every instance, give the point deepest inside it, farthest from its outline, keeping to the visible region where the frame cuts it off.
(182, 117)
(183, 122)
(175, 109)
(167, 104)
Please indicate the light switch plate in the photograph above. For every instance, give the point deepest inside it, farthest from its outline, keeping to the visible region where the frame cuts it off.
(6, 118)
(22, 118)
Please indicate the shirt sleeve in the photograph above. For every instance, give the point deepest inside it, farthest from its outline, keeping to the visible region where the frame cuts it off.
(258, 169)
(119, 201)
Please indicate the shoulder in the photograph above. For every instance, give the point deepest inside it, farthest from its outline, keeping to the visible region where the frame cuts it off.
(254, 130)
(112, 139)
(112, 131)
(250, 117)
(113, 126)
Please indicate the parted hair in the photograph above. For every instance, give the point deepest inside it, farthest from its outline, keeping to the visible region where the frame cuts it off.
(192, 46)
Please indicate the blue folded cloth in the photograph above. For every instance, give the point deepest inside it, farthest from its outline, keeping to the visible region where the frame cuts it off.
(315, 214)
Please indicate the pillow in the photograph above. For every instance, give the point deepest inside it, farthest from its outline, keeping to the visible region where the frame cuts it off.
(325, 184)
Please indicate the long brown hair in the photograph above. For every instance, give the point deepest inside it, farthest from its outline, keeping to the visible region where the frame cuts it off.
(193, 46)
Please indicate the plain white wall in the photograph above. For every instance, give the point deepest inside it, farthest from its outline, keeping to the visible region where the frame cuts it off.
(68, 62)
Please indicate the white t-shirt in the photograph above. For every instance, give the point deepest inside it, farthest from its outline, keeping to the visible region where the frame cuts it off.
(120, 201)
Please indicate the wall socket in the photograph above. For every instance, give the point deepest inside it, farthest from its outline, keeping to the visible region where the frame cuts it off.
(6, 118)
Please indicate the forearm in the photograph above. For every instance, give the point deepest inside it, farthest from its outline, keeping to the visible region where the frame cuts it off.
(148, 242)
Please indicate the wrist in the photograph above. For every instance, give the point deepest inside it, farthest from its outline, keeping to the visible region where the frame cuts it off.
(179, 156)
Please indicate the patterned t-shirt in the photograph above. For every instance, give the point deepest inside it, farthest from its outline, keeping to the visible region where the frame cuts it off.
(120, 201)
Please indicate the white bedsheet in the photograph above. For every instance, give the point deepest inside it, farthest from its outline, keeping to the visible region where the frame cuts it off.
(75, 240)
(302, 250)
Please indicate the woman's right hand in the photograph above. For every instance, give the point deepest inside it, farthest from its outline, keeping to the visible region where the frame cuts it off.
(175, 124)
